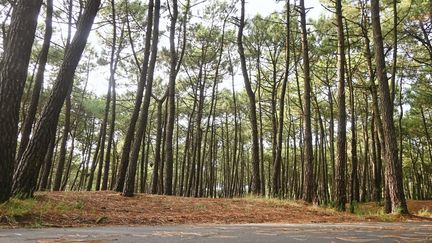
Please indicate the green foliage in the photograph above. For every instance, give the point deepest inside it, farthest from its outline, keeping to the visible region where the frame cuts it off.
(17, 207)
(22, 208)
(354, 205)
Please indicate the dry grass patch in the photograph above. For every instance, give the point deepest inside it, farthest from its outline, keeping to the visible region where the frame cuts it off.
(65, 209)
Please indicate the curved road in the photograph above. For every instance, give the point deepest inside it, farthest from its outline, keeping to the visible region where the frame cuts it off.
(253, 233)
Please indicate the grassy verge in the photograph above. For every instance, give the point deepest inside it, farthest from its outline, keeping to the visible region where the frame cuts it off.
(376, 210)
(34, 211)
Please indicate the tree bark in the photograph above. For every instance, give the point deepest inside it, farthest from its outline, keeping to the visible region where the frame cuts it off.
(47, 166)
(278, 160)
(393, 166)
(354, 184)
(114, 60)
(256, 182)
(43, 58)
(128, 140)
(157, 161)
(129, 185)
(63, 145)
(174, 69)
(13, 73)
(340, 190)
(171, 102)
(308, 184)
(25, 176)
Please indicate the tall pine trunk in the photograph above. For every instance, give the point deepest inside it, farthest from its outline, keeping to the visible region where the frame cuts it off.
(43, 58)
(25, 176)
(129, 185)
(13, 74)
(256, 181)
(340, 190)
(308, 184)
(128, 140)
(63, 145)
(278, 160)
(394, 176)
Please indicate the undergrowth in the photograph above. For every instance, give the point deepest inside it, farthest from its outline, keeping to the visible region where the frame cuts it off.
(32, 210)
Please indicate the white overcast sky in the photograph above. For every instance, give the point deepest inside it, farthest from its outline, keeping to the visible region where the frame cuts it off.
(266, 7)
(98, 79)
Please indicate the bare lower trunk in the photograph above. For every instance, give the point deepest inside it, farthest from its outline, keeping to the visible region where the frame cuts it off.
(394, 177)
(129, 186)
(308, 184)
(13, 74)
(256, 182)
(25, 176)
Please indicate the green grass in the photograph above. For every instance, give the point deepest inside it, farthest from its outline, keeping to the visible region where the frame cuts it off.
(79, 205)
(372, 210)
(32, 210)
(18, 207)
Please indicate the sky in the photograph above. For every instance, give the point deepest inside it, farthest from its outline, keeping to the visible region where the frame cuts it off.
(266, 7)
(98, 81)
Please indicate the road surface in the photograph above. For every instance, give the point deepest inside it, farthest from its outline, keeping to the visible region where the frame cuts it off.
(253, 233)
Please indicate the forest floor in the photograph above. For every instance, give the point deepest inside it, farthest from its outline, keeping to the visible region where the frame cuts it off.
(70, 209)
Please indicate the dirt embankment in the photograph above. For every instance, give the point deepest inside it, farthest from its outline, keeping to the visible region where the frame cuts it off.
(63, 209)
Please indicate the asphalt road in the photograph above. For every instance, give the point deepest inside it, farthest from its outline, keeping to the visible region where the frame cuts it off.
(253, 233)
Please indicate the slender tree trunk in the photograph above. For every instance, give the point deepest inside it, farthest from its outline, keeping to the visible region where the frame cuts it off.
(395, 52)
(13, 73)
(278, 160)
(364, 190)
(308, 186)
(260, 116)
(175, 63)
(393, 166)
(198, 139)
(354, 184)
(256, 182)
(376, 124)
(87, 159)
(177, 158)
(185, 167)
(157, 160)
(69, 164)
(63, 145)
(236, 133)
(129, 186)
(43, 58)
(340, 192)
(94, 163)
(67, 126)
(146, 162)
(103, 138)
(145, 154)
(171, 102)
(115, 56)
(331, 139)
(25, 176)
(43, 186)
(128, 140)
